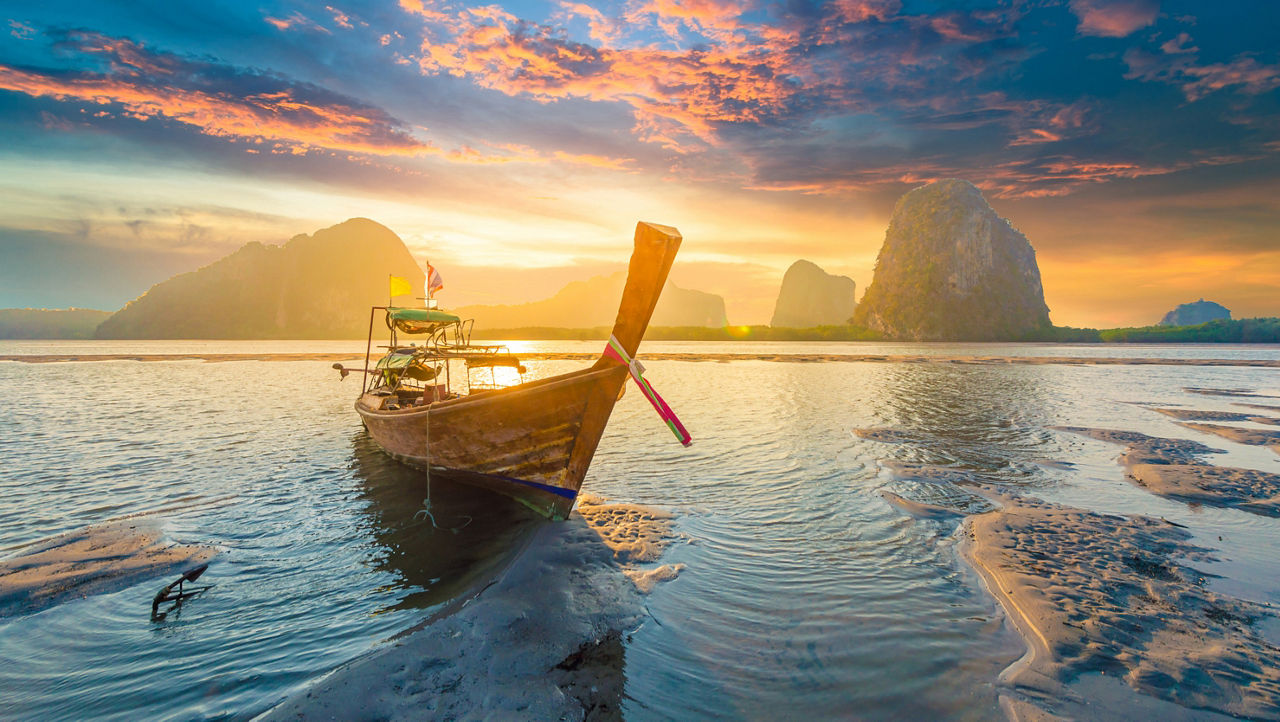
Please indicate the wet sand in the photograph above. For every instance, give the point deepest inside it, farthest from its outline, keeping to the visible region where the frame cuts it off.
(1229, 393)
(94, 560)
(708, 357)
(637, 535)
(1240, 435)
(1204, 415)
(1107, 595)
(1174, 468)
(542, 640)
(1109, 604)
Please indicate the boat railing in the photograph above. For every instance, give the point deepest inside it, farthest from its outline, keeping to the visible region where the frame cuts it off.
(446, 343)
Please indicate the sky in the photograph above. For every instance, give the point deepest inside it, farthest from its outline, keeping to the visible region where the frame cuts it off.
(1135, 142)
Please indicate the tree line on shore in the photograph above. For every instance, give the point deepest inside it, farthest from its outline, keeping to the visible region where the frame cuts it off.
(1247, 330)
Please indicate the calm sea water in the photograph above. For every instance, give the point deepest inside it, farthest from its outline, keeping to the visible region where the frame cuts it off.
(805, 593)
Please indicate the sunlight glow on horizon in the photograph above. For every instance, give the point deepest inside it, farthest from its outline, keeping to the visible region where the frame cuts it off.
(524, 140)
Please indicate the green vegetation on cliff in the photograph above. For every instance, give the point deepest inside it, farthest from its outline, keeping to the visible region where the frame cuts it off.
(1249, 330)
(686, 333)
(952, 269)
(50, 323)
(1244, 330)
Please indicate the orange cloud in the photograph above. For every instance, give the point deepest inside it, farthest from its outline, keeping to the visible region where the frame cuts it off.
(298, 20)
(678, 96)
(1178, 66)
(278, 116)
(1114, 18)
(1248, 74)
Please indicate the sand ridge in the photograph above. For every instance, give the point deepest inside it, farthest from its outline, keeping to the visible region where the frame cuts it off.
(703, 357)
(1240, 435)
(636, 534)
(1099, 597)
(1100, 593)
(1229, 393)
(93, 560)
(543, 640)
(1202, 414)
(1173, 468)
(929, 491)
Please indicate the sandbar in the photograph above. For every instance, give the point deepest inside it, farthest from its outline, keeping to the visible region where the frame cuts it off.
(1231, 393)
(1240, 435)
(93, 560)
(1095, 593)
(888, 436)
(712, 357)
(1174, 468)
(930, 491)
(1202, 414)
(543, 639)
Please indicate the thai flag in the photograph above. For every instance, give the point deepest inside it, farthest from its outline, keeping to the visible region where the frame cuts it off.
(434, 281)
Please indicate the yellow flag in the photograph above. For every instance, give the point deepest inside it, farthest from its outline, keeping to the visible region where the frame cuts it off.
(400, 286)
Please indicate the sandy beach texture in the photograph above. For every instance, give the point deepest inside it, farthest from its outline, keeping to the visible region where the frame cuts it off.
(94, 560)
(1229, 393)
(1173, 468)
(1206, 415)
(1108, 595)
(1240, 435)
(927, 491)
(543, 640)
(637, 535)
(712, 357)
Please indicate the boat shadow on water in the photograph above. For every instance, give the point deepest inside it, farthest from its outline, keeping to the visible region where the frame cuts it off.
(439, 538)
(514, 602)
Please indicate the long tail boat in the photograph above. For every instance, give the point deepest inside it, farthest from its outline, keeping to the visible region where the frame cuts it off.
(529, 441)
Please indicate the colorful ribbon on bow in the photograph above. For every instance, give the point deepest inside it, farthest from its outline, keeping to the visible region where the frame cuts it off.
(615, 351)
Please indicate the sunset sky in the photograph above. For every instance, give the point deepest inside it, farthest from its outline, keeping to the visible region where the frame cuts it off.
(1136, 143)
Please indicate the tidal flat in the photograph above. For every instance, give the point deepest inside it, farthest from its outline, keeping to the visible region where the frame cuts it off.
(962, 556)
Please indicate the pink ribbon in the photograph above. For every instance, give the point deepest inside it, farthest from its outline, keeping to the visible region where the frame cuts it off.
(615, 351)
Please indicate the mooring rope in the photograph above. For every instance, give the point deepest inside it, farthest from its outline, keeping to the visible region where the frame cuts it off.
(426, 503)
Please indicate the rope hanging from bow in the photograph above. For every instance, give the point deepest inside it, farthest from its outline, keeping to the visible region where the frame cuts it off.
(615, 351)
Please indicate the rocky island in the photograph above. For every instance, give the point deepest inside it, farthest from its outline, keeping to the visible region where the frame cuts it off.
(1196, 313)
(314, 286)
(952, 269)
(812, 297)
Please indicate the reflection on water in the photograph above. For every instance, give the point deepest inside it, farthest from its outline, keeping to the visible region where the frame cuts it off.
(804, 591)
(984, 419)
(321, 555)
(434, 550)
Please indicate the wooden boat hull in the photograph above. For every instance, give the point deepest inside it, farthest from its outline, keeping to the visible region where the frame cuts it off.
(532, 442)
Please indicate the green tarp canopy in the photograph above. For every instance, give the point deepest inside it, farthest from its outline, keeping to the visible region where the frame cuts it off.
(395, 361)
(419, 320)
(421, 315)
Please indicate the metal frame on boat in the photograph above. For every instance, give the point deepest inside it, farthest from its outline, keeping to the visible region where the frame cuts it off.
(531, 441)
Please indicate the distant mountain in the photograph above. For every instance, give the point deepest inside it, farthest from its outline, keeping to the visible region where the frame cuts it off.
(812, 297)
(317, 286)
(594, 302)
(1198, 312)
(951, 269)
(50, 323)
